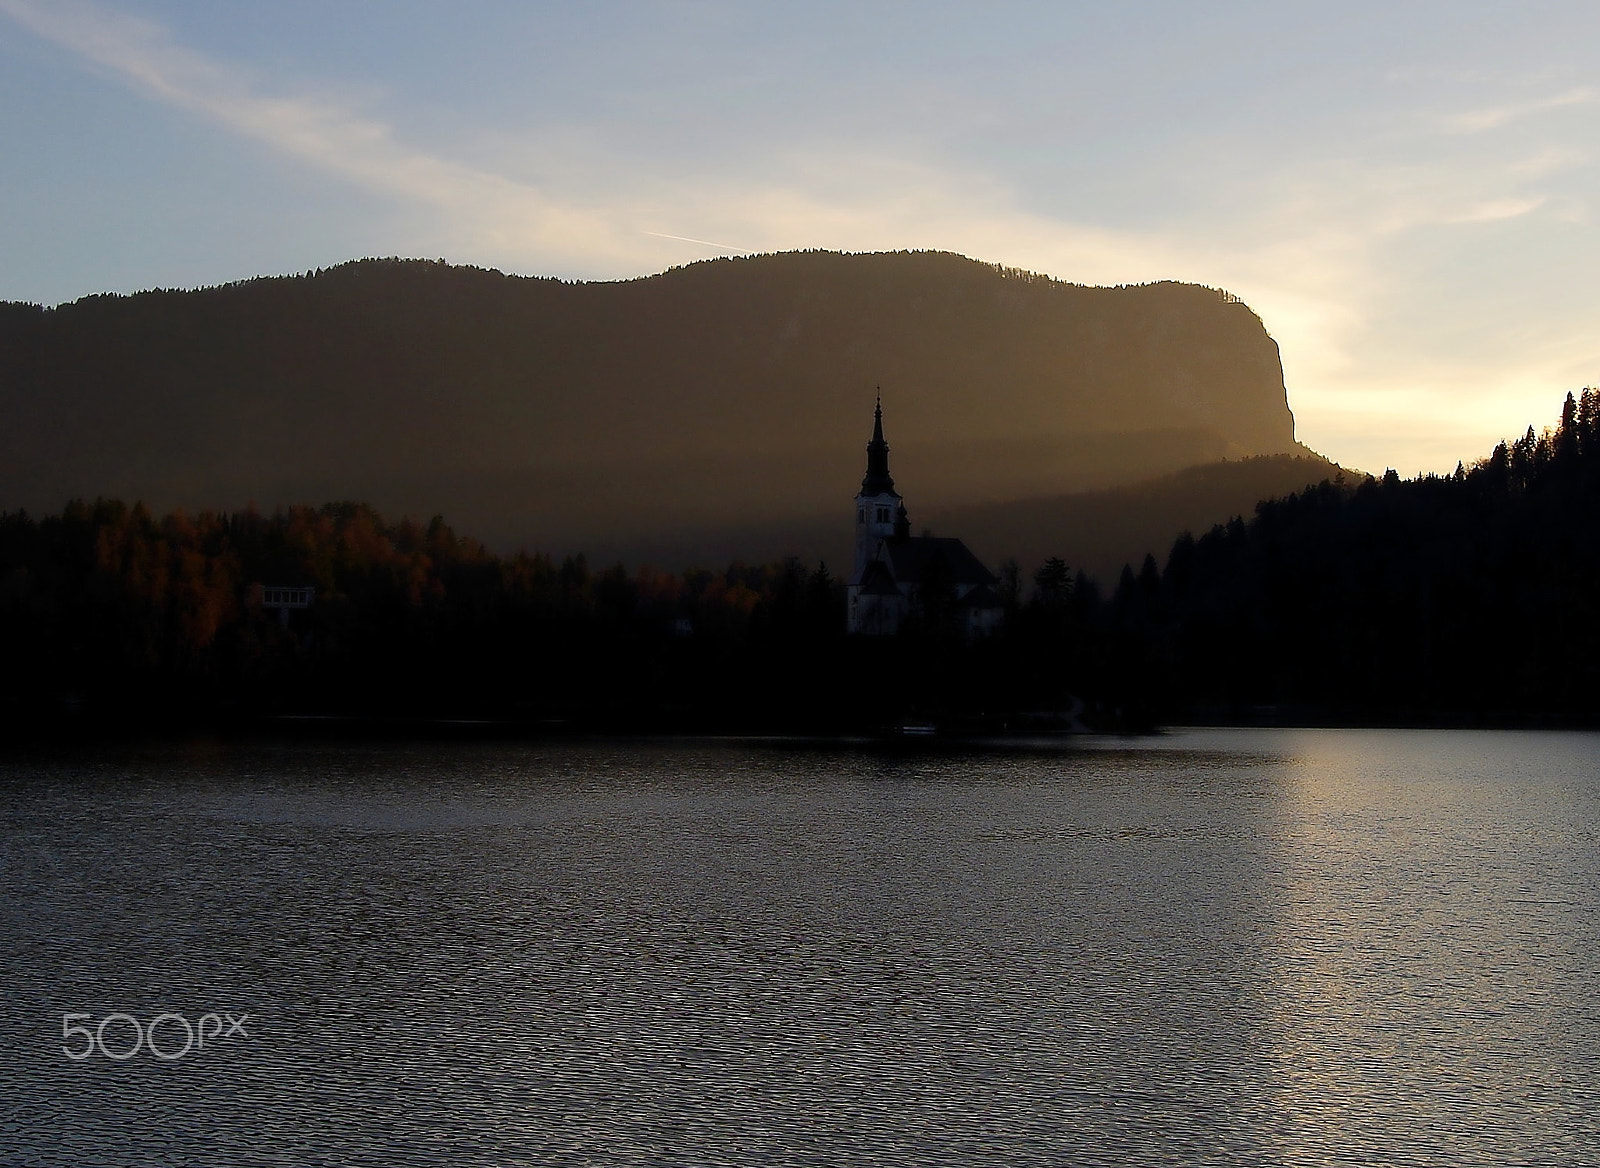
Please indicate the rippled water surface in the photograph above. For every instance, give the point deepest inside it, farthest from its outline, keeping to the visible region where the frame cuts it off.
(1270, 947)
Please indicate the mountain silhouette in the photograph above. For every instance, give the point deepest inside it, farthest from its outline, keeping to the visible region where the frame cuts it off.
(654, 413)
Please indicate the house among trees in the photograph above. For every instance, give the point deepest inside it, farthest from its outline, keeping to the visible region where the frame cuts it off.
(901, 578)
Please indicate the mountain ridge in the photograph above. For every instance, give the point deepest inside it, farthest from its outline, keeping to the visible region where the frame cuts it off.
(557, 414)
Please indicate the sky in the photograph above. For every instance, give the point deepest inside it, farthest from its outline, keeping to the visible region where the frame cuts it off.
(1403, 192)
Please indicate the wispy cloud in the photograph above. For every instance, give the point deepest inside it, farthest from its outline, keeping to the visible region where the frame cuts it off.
(323, 132)
(909, 205)
(724, 247)
(1497, 209)
(1493, 117)
(1551, 160)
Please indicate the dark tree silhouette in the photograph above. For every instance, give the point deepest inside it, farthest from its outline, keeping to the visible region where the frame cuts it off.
(1473, 595)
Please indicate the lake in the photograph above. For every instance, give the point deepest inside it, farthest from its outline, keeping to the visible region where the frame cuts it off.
(1207, 946)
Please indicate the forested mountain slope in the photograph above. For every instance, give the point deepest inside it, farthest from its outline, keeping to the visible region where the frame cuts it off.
(563, 416)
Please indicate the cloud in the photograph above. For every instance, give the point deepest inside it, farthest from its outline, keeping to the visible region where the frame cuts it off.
(723, 247)
(323, 132)
(908, 205)
(1551, 160)
(1493, 117)
(1497, 209)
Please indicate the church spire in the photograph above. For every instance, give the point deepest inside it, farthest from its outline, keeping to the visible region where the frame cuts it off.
(877, 481)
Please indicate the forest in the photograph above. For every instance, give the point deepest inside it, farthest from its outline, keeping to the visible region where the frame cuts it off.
(1468, 598)
(1473, 596)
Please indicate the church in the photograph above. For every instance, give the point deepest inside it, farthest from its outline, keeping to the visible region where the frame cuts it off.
(897, 575)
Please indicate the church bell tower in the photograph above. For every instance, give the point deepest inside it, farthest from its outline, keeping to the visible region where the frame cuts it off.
(878, 506)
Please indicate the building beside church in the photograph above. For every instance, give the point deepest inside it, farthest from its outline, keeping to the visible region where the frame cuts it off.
(899, 576)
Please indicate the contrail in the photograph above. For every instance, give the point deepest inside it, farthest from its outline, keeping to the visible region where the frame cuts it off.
(702, 242)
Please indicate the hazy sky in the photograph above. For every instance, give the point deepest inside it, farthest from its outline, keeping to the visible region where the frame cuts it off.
(1404, 191)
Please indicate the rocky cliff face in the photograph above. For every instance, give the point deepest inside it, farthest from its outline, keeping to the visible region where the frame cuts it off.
(555, 414)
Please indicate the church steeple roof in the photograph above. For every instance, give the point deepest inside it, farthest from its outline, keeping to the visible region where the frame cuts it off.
(878, 481)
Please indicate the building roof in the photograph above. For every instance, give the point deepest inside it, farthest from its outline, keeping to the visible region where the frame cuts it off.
(875, 580)
(911, 560)
(981, 597)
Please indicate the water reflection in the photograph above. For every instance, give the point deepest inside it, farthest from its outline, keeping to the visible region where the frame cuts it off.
(1208, 947)
(1429, 937)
